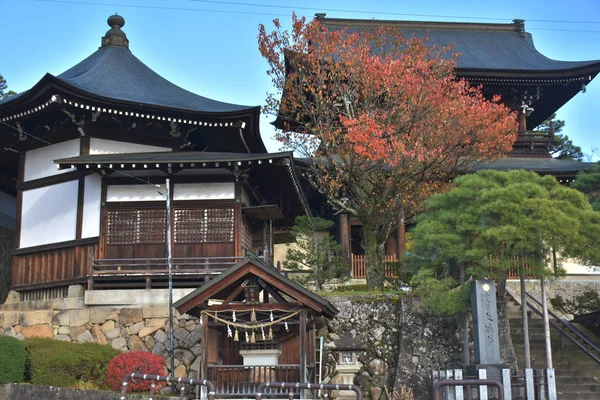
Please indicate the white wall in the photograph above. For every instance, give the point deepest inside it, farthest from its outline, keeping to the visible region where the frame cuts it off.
(39, 163)
(91, 206)
(116, 193)
(204, 191)
(49, 214)
(102, 146)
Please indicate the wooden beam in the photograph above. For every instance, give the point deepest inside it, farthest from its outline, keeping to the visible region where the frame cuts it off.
(257, 307)
(272, 292)
(51, 180)
(80, 201)
(233, 295)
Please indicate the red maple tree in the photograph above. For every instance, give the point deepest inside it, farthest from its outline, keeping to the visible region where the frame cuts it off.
(382, 119)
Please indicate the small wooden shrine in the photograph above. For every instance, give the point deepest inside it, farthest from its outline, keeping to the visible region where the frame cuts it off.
(257, 326)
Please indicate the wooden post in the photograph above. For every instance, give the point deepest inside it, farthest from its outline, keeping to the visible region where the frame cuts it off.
(302, 328)
(344, 235)
(400, 237)
(522, 121)
(204, 347)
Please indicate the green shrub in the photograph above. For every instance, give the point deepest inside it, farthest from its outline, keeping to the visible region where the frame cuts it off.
(585, 303)
(65, 364)
(12, 360)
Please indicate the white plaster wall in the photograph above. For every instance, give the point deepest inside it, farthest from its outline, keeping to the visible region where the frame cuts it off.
(103, 146)
(116, 193)
(204, 191)
(39, 163)
(49, 214)
(573, 267)
(91, 206)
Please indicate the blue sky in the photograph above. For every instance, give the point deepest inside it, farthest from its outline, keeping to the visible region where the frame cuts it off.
(210, 48)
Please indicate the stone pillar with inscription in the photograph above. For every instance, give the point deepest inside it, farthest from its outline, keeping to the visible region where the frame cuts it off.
(485, 328)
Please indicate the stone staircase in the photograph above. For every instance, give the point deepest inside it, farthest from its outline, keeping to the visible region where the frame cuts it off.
(577, 375)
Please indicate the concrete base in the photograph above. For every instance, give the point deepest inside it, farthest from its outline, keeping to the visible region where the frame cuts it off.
(492, 371)
(132, 297)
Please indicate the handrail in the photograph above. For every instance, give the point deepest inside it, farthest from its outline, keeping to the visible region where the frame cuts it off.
(299, 385)
(467, 382)
(161, 378)
(563, 332)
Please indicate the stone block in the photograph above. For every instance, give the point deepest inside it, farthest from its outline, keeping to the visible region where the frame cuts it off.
(85, 337)
(180, 334)
(64, 338)
(159, 349)
(113, 333)
(13, 298)
(44, 331)
(9, 318)
(64, 330)
(196, 364)
(98, 335)
(98, 315)
(76, 331)
(114, 316)
(160, 322)
(148, 330)
(185, 356)
(31, 318)
(108, 326)
(180, 371)
(136, 328)
(10, 331)
(190, 325)
(72, 303)
(79, 317)
(62, 318)
(130, 316)
(161, 337)
(193, 338)
(134, 343)
(119, 343)
(155, 312)
(75, 291)
(149, 342)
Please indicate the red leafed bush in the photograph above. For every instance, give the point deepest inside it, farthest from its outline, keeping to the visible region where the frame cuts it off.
(142, 362)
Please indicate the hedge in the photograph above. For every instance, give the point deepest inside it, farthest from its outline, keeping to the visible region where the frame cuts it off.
(64, 364)
(12, 360)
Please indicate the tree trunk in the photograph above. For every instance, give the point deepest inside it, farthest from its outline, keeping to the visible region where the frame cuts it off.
(374, 260)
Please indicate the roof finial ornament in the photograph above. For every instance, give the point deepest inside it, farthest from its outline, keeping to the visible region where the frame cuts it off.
(520, 26)
(115, 36)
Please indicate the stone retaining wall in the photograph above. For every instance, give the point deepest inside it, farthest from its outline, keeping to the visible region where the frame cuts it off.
(13, 391)
(126, 329)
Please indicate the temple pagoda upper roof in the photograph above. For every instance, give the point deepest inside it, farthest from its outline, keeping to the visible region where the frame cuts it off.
(482, 46)
(114, 73)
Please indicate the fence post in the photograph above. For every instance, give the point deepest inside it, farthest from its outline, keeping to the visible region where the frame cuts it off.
(551, 382)
(507, 384)
(483, 390)
(529, 384)
(448, 391)
(458, 390)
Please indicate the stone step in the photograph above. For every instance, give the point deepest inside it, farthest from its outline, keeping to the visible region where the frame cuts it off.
(578, 395)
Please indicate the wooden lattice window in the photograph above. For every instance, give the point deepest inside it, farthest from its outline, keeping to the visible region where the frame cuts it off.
(136, 226)
(208, 225)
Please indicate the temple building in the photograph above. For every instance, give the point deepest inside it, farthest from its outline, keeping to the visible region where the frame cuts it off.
(503, 59)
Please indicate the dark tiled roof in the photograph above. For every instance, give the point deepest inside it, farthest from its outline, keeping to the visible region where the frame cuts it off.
(114, 72)
(541, 165)
(481, 46)
(168, 157)
(328, 308)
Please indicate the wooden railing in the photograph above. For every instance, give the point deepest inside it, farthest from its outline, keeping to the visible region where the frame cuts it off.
(359, 266)
(159, 266)
(514, 272)
(244, 379)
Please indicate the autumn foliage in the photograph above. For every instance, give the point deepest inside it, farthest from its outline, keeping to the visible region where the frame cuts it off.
(142, 362)
(382, 117)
